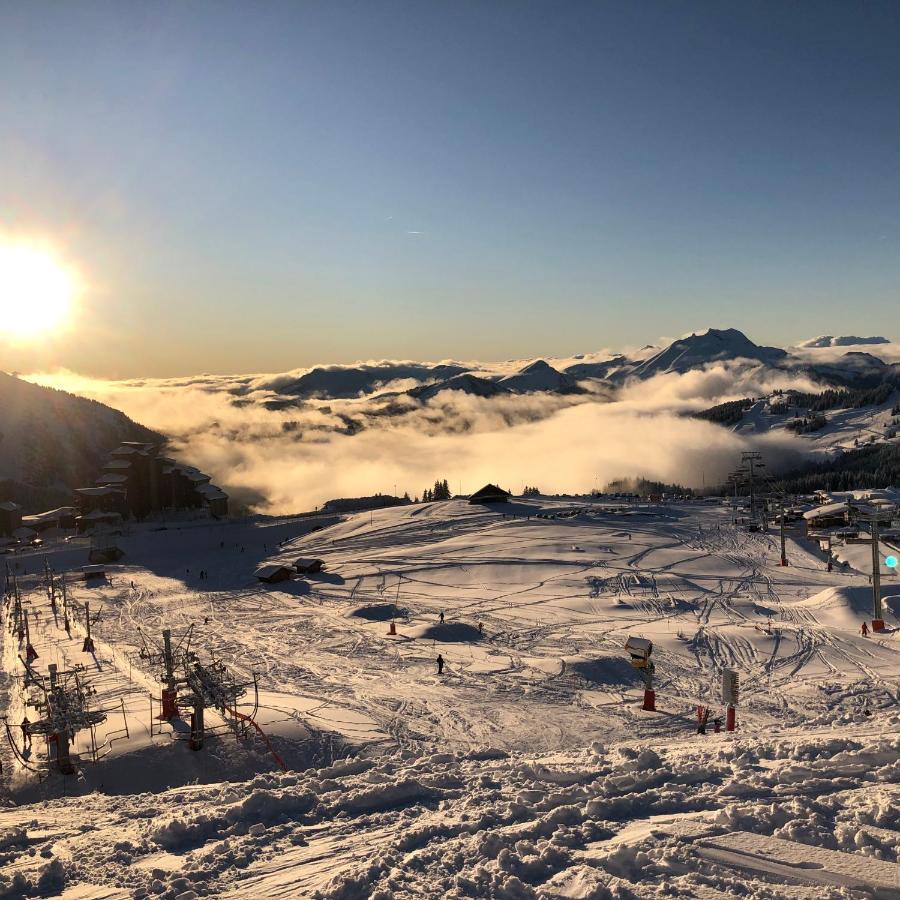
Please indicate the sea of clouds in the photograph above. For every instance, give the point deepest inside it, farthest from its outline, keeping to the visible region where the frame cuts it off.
(277, 454)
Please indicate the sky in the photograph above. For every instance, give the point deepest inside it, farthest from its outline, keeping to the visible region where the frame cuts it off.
(257, 187)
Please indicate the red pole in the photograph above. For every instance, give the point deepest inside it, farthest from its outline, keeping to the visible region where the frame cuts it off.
(649, 700)
(730, 717)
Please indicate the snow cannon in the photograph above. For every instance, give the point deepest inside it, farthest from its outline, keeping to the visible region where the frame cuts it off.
(640, 650)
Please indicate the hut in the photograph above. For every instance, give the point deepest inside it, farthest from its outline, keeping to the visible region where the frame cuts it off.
(273, 573)
(307, 565)
(490, 493)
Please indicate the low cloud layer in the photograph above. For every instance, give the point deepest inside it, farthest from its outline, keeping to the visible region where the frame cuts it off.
(279, 454)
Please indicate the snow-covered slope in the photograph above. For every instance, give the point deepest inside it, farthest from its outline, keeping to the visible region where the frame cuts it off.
(528, 768)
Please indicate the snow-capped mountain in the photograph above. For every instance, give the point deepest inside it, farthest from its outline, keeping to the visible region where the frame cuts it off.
(467, 383)
(347, 382)
(699, 350)
(540, 376)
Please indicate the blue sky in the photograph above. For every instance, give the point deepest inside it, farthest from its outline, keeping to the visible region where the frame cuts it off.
(262, 186)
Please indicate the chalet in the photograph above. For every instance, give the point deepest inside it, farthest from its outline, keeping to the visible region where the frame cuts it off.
(490, 493)
(10, 517)
(307, 565)
(273, 573)
(831, 515)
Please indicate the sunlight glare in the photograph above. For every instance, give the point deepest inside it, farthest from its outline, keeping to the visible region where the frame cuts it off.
(36, 291)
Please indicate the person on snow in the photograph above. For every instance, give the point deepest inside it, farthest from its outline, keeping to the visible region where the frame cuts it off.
(26, 734)
(440, 664)
(442, 617)
(481, 627)
(864, 631)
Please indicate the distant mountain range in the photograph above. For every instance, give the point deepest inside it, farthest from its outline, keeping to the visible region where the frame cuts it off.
(52, 442)
(695, 351)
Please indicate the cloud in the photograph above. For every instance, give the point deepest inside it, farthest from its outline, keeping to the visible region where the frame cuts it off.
(285, 454)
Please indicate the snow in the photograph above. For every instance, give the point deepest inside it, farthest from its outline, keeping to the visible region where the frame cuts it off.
(528, 769)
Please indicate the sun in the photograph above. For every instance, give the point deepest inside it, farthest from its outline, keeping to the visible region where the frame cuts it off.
(36, 291)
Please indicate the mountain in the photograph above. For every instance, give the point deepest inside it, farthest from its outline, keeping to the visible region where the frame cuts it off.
(540, 376)
(467, 383)
(347, 382)
(52, 442)
(699, 350)
(828, 340)
(854, 369)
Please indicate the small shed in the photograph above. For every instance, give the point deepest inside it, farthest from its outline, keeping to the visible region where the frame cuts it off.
(308, 565)
(94, 571)
(273, 573)
(490, 493)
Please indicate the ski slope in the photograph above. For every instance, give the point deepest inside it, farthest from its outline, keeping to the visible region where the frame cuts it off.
(528, 768)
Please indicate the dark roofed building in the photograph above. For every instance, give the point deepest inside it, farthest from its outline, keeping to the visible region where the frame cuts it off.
(307, 565)
(273, 573)
(490, 493)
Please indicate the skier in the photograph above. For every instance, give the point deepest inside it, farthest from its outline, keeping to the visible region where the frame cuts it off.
(442, 617)
(440, 664)
(26, 734)
(481, 627)
(864, 631)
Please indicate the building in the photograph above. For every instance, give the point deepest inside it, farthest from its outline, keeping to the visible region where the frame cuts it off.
(63, 518)
(490, 493)
(138, 481)
(306, 565)
(105, 498)
(831, 515)
(10, 517)
(273, 573)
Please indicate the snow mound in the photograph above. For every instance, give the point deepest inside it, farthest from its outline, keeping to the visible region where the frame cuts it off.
(449, 632)
(848, 607)
(608, 670)
(378, 612)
